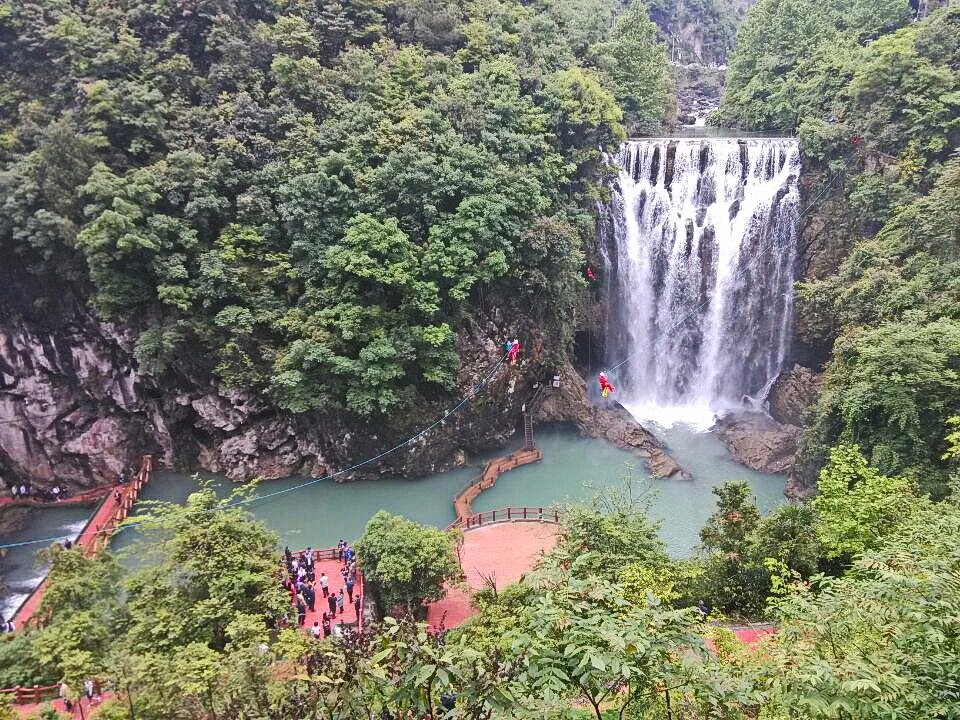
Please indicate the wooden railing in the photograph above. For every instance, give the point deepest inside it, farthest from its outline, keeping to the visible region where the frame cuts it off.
(462, 503)
(31, 695)
(508, 514)
(129, 495)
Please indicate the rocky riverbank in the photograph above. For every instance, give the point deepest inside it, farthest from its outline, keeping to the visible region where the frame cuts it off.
(76, 411)
(606, 420)
(769, 442)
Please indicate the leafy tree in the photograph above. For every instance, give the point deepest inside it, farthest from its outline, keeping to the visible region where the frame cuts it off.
(734, 579)
(609, 534)
(584, 639)
(879, 642)
(636, 65)
(405, 563)
(80, 613)
(205, 565)
(856, 505)
(789, 535)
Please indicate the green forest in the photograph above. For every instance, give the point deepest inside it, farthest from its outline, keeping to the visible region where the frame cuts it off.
(311, 200)
(875, 101)
(863, 588)
(315, 194)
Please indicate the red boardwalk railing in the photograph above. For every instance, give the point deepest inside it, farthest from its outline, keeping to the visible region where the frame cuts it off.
(31, 695)
(508, 514)
(95, 534)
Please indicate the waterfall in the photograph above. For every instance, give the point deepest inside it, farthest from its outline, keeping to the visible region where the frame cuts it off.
(705, 228)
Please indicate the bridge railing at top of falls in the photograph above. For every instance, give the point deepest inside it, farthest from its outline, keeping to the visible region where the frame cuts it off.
(508, 514)
(704, 132)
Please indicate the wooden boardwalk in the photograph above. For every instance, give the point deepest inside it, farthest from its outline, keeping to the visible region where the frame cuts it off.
(463, 502)
(95, 534)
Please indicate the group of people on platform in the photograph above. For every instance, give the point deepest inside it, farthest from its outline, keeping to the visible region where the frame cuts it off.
(26, 491)
(6, 625)
(304, 587)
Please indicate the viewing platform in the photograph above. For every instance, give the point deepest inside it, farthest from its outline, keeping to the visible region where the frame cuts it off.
(463, 502)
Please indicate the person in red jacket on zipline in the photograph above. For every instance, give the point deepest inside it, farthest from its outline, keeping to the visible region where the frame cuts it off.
(605, 387)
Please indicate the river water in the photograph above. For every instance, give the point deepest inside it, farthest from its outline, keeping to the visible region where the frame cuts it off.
(573, 468)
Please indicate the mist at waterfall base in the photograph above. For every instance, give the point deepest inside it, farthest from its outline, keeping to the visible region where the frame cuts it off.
(700, 245)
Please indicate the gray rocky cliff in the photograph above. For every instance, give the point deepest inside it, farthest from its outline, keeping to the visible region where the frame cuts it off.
(605, 419)
(770, 442)
(72, 410)
(75, 411)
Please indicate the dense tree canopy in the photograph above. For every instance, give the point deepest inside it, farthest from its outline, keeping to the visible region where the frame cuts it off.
(876, 102)
(314, 192)
(406, 563)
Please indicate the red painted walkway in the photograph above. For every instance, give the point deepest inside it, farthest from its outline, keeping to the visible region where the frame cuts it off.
(502, 553)
(332, 569)
(104, 520)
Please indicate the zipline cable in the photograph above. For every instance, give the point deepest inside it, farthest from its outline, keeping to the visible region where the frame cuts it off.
(456, 408)
(474, 391)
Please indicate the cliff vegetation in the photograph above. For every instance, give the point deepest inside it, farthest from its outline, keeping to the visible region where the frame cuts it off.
(874, 95)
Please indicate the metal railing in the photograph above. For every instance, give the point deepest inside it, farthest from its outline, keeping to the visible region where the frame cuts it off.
(508, 514)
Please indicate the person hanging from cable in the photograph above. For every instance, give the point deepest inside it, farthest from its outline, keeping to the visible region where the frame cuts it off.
(605, 387)
(508, 346)
(514, 351)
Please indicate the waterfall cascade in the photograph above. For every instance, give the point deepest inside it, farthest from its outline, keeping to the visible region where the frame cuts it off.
(703, 225)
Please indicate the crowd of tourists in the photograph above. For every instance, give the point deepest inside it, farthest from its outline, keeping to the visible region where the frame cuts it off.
(307, 589)
(24, 491)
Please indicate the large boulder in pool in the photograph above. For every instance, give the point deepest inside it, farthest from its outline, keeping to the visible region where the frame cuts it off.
(607, 420)
(758, 441)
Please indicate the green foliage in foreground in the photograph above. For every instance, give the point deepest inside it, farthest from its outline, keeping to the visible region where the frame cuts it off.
(406, 564)
(856, 505)
(878, 643)
(316, 196)
(883, 641)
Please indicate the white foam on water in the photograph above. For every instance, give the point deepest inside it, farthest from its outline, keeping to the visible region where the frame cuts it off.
(10, 603)
(698, 418)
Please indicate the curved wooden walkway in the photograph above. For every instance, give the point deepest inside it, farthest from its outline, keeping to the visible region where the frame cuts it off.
(463, 502)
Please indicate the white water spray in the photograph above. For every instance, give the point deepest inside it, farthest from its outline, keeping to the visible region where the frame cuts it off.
(707, 222)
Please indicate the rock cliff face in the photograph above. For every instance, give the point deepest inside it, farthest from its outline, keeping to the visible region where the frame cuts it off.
(72, 409)
(793, 395)
(75, 411)
(758, 441)
(606, 420)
